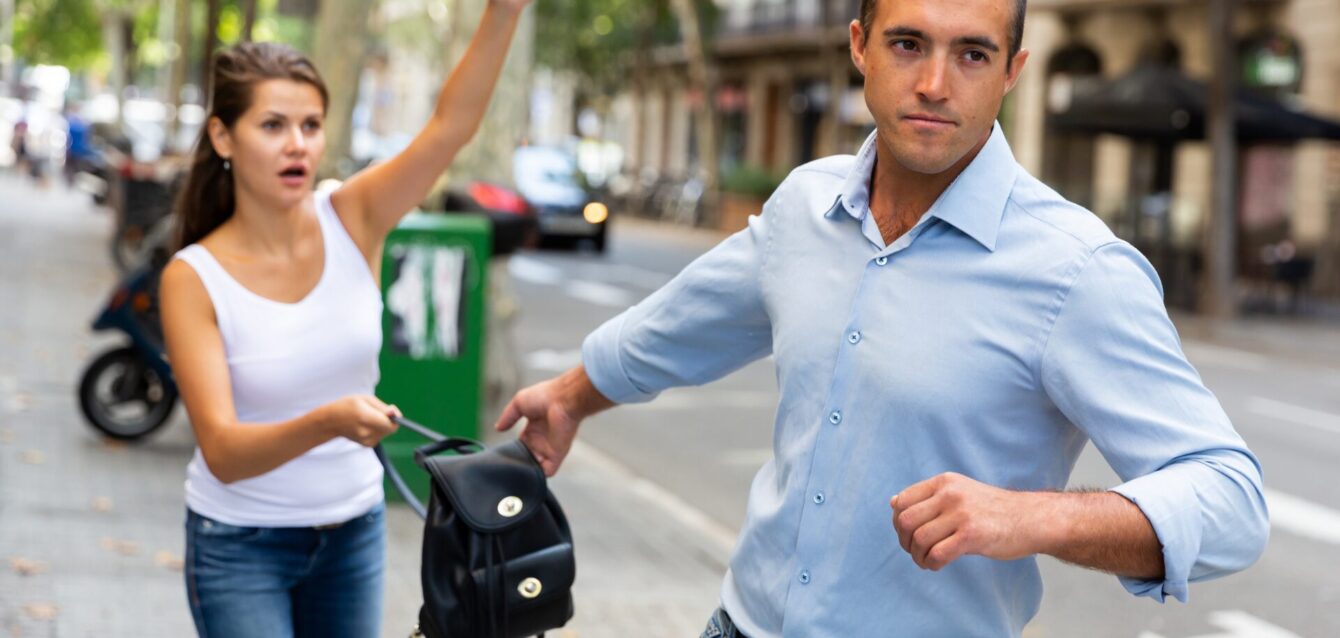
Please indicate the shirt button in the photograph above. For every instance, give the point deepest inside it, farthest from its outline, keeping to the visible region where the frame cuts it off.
(854, 338)
(836, 417)
(819, 498)
(805, 577)
(880, 261)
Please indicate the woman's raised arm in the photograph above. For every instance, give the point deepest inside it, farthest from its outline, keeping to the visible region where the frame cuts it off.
(372, 202)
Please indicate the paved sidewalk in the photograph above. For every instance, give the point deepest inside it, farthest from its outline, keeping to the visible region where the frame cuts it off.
(90, 532)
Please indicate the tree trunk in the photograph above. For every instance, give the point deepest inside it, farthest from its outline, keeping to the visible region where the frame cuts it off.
(181, 35)
(7, 75)
(339, 48)
(211, 43)
(131, 54)
(702, 77)
(489, 155)
(113, 37)
(248, 19)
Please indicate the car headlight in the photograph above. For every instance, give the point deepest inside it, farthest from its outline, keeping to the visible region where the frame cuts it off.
(595, 212)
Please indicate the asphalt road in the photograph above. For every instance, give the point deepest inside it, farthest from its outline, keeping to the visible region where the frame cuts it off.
(1278, 381)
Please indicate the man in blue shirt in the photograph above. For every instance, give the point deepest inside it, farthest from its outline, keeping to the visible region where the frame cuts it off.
(948, 332)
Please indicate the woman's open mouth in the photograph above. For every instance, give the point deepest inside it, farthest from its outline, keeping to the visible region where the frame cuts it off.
(295, 175)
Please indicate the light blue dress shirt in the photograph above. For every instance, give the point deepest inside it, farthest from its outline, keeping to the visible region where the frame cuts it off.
(995, 338)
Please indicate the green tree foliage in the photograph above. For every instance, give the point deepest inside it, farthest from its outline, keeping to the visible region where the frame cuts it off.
(593, 38)
(599, 40)
(64, 32)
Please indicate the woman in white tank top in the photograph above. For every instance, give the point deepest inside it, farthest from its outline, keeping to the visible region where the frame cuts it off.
(272, 317)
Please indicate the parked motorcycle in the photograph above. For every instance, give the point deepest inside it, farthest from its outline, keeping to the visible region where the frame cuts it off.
(128, 392)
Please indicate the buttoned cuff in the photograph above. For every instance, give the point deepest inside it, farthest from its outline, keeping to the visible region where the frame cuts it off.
(1172, 507)
(600, 357)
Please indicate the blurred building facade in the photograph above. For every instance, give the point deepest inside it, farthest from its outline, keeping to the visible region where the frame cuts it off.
(1158, 196)
(786, 92)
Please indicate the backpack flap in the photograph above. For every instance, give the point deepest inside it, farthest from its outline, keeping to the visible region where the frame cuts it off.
(493, 490)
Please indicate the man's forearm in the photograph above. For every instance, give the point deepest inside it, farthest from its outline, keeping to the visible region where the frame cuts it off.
(579, 395)
(1099, 530)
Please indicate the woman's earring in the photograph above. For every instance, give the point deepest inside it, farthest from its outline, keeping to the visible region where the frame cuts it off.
(227, 165)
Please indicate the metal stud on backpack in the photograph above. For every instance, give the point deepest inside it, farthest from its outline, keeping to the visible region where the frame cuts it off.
(497, 552)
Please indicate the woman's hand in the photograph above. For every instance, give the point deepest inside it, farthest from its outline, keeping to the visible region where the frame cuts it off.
(363, 419)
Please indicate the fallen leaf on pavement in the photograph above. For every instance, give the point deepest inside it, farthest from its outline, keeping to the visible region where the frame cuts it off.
(102, 504)
(114, 445)
(25, 566)
(32, 457)
(41, 611)
(6, 435)
(168, 560)
(124, 548)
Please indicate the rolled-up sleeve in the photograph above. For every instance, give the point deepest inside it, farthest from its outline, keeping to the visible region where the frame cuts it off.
(1113, 364)
(707, 322)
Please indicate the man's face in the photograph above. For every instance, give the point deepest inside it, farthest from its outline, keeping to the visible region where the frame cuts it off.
(935, 75)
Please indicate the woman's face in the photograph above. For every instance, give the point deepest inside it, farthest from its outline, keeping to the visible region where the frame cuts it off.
(275, 146)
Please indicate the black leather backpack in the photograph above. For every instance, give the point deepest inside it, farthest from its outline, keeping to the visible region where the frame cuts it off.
(497, 552)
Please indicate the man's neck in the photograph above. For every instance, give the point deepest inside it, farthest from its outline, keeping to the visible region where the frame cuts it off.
(900, 196)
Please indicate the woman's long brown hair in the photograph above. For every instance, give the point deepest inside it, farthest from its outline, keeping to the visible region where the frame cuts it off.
(207, 198)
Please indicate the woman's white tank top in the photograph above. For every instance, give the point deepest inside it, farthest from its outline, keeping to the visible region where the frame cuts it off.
(284, 360)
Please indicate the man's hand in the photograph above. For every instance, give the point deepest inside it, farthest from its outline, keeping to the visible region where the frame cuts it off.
(553, 409)
(950, 515)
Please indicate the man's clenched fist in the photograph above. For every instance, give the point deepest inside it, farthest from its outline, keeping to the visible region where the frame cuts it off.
(950, 515)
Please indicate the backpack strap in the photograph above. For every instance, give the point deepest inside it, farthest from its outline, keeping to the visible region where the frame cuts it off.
(439, 444)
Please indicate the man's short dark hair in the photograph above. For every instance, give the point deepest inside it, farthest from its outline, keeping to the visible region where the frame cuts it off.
(1016, 26)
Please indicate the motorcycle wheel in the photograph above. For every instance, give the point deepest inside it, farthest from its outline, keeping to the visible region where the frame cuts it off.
(123, 397)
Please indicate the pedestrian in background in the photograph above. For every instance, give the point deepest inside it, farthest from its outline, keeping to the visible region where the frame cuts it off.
(272, 317)
(948, 332)
(79, 151)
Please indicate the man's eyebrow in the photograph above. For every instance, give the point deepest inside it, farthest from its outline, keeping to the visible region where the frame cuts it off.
(975, 40)
(905, 31)
(978, 40)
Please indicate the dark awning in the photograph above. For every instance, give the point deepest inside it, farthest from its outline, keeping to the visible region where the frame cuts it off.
(1160, 103)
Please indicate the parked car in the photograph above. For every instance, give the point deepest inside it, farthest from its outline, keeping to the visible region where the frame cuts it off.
(512, 217)
(565, 211)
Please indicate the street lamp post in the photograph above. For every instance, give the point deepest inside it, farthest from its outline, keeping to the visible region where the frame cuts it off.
(1217, 293)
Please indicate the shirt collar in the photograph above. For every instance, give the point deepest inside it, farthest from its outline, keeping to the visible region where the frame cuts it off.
(974, 203)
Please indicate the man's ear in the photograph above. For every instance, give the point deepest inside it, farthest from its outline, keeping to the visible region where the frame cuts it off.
(857, 46)
(220, 138)
(1016, 68)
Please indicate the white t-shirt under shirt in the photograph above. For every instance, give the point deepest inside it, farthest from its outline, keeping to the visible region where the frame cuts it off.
(284, 360)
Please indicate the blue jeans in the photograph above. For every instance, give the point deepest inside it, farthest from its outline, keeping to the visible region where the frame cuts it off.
(721, 626)
(286, 582)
